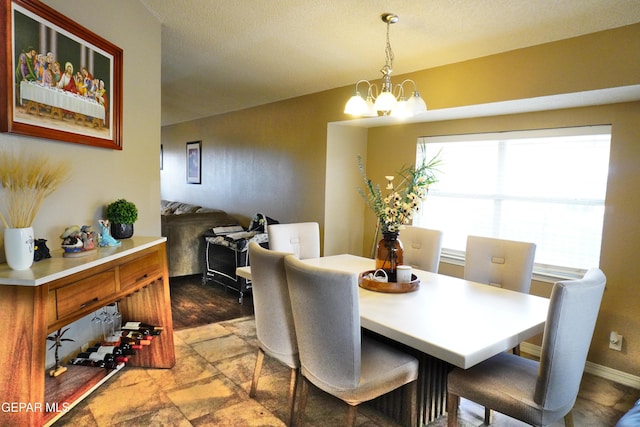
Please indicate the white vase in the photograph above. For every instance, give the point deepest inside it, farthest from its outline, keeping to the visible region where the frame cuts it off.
(18, 247)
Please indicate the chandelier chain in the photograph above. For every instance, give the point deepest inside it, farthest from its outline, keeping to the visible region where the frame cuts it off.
(388, 51)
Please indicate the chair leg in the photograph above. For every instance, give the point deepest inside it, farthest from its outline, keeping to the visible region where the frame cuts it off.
(568, 419)
(487, 416)
(302, 403)
(352, 415)
(291, 397)
(256, 373)
(411, 399)
(452, 409)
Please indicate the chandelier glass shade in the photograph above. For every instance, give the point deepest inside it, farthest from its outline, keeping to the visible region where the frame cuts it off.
(389, 100)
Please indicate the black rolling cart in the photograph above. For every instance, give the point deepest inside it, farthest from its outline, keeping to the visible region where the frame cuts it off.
(227, 248)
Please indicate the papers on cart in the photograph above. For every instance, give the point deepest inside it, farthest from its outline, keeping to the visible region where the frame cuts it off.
(227, 229)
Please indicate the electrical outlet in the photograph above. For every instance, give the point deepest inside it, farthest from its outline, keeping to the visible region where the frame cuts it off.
(615, 341)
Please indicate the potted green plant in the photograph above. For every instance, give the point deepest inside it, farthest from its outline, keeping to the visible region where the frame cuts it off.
(121, 215)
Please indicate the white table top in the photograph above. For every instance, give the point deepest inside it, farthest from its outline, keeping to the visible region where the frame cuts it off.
(455, 320)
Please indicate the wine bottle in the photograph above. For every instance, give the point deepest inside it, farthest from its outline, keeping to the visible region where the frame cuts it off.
(123, 349)
(105, 358)
(141, 327)
(92, 355)
(126, 348)
(136, 335)
(134, 341)
(93, 363)
(87, 362)
(104, 355)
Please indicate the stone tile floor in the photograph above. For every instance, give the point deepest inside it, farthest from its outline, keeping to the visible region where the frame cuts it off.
(210, 382)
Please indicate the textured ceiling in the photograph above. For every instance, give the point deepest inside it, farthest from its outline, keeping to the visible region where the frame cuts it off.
(225, 55)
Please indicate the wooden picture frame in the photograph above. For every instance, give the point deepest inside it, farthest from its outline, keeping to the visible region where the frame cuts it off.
(43, 101)
(194, 162)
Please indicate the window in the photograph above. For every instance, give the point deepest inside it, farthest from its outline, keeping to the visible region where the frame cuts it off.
(542, 186)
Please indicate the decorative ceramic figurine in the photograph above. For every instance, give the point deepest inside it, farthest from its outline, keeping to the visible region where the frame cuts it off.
(107, 239)
(87, 237)
(57, 343)
(40, 250)
(78, 241)
(70, 239)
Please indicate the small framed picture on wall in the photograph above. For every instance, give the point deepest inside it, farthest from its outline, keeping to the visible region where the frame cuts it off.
(194, 158)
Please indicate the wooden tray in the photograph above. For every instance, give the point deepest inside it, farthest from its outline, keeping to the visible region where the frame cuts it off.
(388, 287)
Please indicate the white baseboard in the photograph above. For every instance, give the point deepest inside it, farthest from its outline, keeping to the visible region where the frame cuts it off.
(592, 368)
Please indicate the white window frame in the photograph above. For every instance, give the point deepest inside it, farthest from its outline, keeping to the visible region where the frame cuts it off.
(542, 272)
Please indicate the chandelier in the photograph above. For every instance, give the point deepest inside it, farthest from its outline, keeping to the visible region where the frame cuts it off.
(387, 101)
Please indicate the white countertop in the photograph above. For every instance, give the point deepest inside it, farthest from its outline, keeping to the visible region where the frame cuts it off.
(57, 266)
(455, 320)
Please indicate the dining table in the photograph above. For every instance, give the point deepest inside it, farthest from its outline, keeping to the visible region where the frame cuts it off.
(445, 322)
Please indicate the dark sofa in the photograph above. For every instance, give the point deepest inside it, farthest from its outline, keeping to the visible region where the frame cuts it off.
(183, 225)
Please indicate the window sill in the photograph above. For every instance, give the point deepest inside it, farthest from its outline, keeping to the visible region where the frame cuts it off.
(541, 273)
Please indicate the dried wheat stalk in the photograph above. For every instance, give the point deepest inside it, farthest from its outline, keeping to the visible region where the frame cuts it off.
(27, 179)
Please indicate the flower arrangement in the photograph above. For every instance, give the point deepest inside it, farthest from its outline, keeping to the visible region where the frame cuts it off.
(397, 208)
(27, 179)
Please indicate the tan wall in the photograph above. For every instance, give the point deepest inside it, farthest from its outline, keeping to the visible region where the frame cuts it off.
(273, 158)
(267, 159)
(98, 175)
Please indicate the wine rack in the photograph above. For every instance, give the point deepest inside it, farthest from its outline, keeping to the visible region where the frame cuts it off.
(58, 291)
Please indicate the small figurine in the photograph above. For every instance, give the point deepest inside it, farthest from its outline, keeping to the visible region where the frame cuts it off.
(57, 343)
(106, 238)
(70, 239)
(87, 237)
(40, 250)
(78, 241)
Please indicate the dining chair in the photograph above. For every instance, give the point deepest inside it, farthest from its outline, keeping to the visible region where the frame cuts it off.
(631, 418)
(538, 393)
(301, 239)
(421, 248)
(273, 318)
(334, 354)
(504, 263)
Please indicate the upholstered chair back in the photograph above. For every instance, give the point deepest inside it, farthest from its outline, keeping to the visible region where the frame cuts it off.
(272, 307)
(567, 336)
(504, 263)
(421, 248)
(301, 239)
(329, 354)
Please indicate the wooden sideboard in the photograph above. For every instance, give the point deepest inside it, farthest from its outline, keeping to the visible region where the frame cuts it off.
(58, 291)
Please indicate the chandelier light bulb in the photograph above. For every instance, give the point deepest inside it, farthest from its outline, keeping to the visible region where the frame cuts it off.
(356, 106)
(386, 102)
(402, 110)
(371, 108)
(416, 104)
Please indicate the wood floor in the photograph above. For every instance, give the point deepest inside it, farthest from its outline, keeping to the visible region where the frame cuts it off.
(194, 304)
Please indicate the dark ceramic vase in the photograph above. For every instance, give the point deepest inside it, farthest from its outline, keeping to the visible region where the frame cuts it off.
(121, 231)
